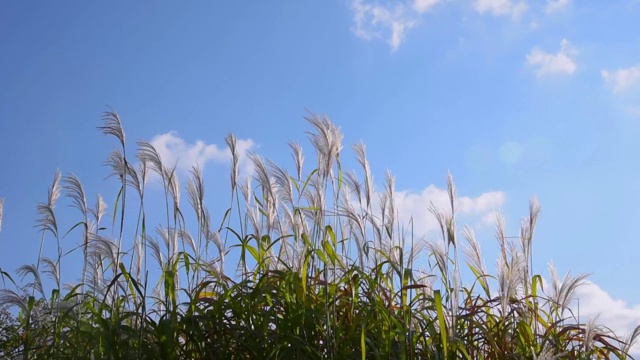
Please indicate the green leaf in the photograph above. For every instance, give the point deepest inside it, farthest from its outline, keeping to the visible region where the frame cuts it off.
(321, 255)
(306, 240)
(73, 227)
(115, 207)
(340, 179)
(332, 235)
(303, 275)
(254, 252)
(330, 250)
(187, 266)
(363, 348)
(537, 279)
(6, 274)
(307, 181)
(441, 320)
(226, 214)
(405, 286)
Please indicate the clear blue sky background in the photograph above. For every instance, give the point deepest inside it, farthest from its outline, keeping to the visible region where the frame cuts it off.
(529, 98)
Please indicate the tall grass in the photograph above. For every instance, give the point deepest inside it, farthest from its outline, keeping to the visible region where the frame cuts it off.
(323, 270)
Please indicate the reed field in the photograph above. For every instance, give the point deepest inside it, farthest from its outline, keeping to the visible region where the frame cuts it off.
(301, 265)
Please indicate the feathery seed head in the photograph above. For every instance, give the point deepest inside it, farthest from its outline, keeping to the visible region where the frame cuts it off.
(113, 126)
(186, 239)
(235, 158)
(353, 186)
(298, 158)
(437, 250)
(148, 154)
(47, 220)
(631, 339)
(284, 186)
(11, 298)
(74, 189)
(54, 191)
(99, 209)
(361, 156)
(173, 185)
(51, 268)
(592, 329)
(390, 191)
(451, 191)
(195, 192)
(327, 141)
(104, 248)
(139, 254)
(32, 270)
(562, 291)
(156, 252)
(474, 256)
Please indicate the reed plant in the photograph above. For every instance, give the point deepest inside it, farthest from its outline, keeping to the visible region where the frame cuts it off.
(301, 265)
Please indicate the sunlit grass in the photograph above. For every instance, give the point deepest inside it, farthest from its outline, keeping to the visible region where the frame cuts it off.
(323, 270)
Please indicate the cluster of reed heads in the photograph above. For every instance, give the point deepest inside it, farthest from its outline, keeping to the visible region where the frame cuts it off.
(321, 268)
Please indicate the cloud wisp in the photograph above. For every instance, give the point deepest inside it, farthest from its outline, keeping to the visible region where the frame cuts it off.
(590, 304)
(560, 63)
(415, 205)
(622, 80)
(616, 314)
(175, 151)
(556, 5)
(501, 7)
(389, 22)
(421, 6)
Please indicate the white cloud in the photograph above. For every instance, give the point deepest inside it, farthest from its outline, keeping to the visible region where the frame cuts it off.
(556, 5)
(548, 64)
(174, 150)
(489, 219)
(622, 79)
(616, 314)
(383, 22)
(412, 204)
(387, 21)
(591, 302)
(501, 7)
(422, 6)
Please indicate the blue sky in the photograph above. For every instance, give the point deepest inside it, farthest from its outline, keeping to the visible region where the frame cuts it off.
(516, 98)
